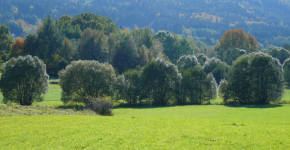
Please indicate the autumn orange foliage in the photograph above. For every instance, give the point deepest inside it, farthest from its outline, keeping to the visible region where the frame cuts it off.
(17, 47)
(237, 38)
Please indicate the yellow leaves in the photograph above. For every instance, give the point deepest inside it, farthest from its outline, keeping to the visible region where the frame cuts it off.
(258, 18)
(16, 11)
(181, 15)
(232, 25)
(56, 58)
(126, 31)
(256, 22)
(250, 12)
(54, 10)
(114, 8)
(205, 17)
(238, 38)
(26, 26)
(213, 19)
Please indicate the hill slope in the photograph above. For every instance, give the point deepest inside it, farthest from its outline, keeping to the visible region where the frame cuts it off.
(266, 20)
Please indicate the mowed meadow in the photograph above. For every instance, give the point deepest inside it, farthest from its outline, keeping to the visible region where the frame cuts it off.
(172, 127)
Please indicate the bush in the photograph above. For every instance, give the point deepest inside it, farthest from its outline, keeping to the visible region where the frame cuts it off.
(281, 54)
(201, 59)
(23, 80)
(82, 79)
(187, 61)
(254, 79)
(100, 106)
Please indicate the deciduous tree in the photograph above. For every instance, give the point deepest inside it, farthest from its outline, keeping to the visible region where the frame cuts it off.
(281, 54)
(161, 79)
(93, 45)
(259, 77)
(83, 79)
(187, 61)
(286, 70)
(24, 80)
(218, 68)
(6, 39)
(17, 48)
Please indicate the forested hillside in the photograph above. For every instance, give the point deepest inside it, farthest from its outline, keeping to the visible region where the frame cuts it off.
(267, 20)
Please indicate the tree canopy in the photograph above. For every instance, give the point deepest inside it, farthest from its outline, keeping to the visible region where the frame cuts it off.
(255, 78)
(6, 39)
(218, 68)
(281, 54)
(83, 79)
(161, 80)
(24, 80)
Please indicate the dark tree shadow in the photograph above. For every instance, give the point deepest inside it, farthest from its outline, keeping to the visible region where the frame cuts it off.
(255, 106)
(53, 82)
(141, 107)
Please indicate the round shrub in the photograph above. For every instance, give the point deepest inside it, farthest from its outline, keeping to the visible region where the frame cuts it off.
(83, 79)
(24, 80)
(187, 61)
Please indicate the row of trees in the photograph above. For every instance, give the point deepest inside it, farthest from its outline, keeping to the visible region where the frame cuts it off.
(92, 37)
(159, 68)
(253, 78)
(159, 82)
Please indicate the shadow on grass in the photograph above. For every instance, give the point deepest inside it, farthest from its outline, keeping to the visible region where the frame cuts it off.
(53, 82)
(255, 106)
(140, 107)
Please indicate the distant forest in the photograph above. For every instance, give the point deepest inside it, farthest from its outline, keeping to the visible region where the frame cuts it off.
(267, 20)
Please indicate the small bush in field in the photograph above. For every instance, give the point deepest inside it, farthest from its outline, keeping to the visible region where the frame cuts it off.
(100, 106)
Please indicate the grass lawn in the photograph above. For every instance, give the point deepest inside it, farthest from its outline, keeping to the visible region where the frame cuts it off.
(181, 127)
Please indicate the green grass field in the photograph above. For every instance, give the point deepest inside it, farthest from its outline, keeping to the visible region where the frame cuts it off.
(181, 127)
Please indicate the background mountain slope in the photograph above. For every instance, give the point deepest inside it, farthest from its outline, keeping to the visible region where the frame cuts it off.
(267, 20)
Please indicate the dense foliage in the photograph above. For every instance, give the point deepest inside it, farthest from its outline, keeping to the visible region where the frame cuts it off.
(94, 59)
(281, 54)
(100, 106)
(5, 42)
(197, 86)
(254, 78)
(161, 81)
(23, 80)
(267, 20)
(286, 69)
(83, 79)
(218, 68)
(235, 43)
